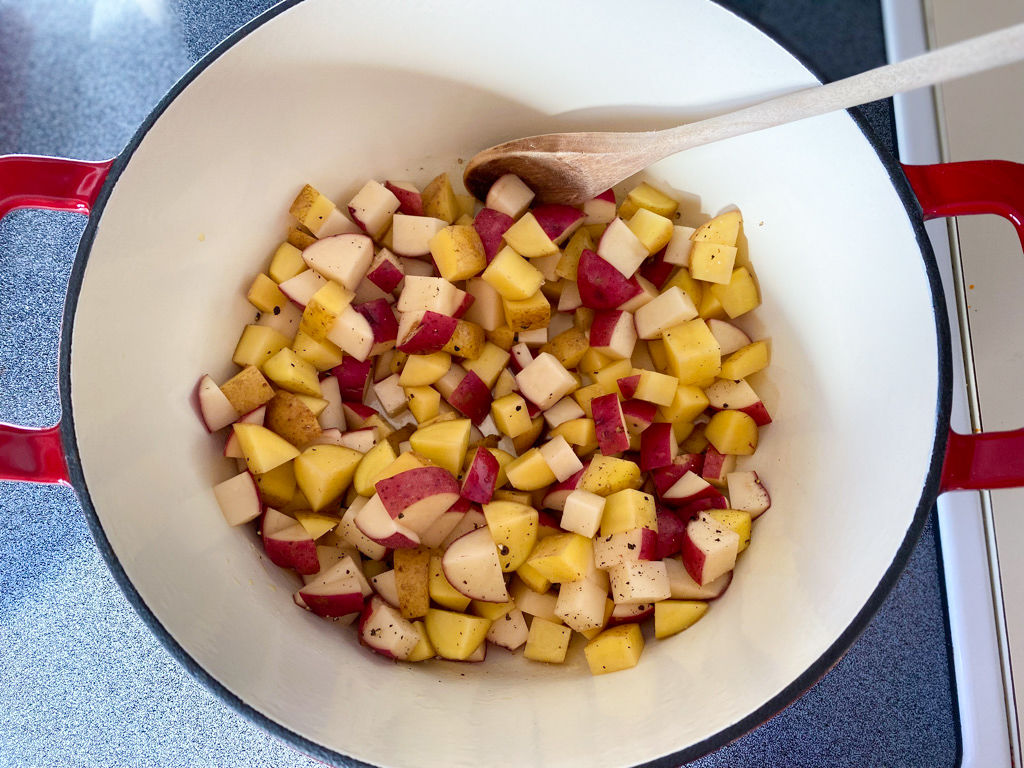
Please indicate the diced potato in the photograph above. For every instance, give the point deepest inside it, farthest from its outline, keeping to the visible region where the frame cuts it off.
(439, 200)
(316, 524)
(651, 229)
(735, 520)
(424, 370)
(710, 307)
(562, 557)
(512, 276)
(257, 344)
(455, 635)
(740, 295)
(692, 351)
(292, 419)
(687, 404)
(513, 527)
(412, 581)
(568, 347)
(322, 355)
(323, 472)
(608, 474)
(263, 450)
(311, 208)
(528, 238)
(628, 509)
(286, 263)
(441, 591)
(687, 284)
(445, 444)
(265, 295)
(547, 641)
(569, 261)
(646, 196)
(291, 372)
(277, 487)
(373, 462)
(467, 340)
(458, 252)
(615, 649)
(511, 415)
(300, 238)
(324, 308)
(673, 616)
(732, 432)
(585, 395)
(657, 388)
(529, 472)
(423, 650)
(247, 390)
(424, 402)
(712, 262)
(489, 364)
(581, 433)
(529, 314)
(724, 229)
(745, 361)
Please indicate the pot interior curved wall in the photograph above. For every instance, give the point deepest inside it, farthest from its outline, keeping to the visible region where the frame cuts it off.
(331, 94)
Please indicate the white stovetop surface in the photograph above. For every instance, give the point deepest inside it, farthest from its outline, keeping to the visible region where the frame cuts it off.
(981, 117)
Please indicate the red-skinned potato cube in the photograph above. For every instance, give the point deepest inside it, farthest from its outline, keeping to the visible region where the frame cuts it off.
(430, 335)
(410, 201)
(713, 500)
(612, 437)
(726, 394)
(627, 385)
(471, 398)
(613, 334)
(601, 209)
(382, 320)
(709, 549)
(464, 306)
(717, 466)
(556, 495)
(491, 225)
(558, 221)
(353, 377)
(658, 447)
(385, 271)
(481, 477)
(671, 532)
(639, 415)
(665, 477)
(357, 414)
(417, 497)
(657, 270)
(601, 285)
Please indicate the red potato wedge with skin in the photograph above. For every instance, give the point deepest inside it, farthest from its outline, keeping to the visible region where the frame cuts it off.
(555, 496)
(471, 565)
(687, 489)
(709, 549)
(657, 270)
(558, 221)
(630, 614)
(612, 437)
(694, 508)
(383, 630)
(372, 208)
(635, 544)
(613, 334)
(418, 497)
(685, 588)
(621, 248)
(353, 378)
(367, 290)
(382, 320)
(215, 410)
(337, 590)
(726, 394)
(717, 466)
(442, 528)
(481, 477)
(376, 524)
(384, 585)
(292, 547)
(430, 334)
(332, 416)
(330, 556)
(658, 447)
(239, 499)
(386, 271)
(232, 449)
(671, 531)
(747, 493)
(471, 520)
(627, 385)
(342, 258)
(332, 436)
(521, 356)
(410, 201)
(601, 209)
(466, 304)
(665, 478)
(602, 286)
(491, 225)
(729, 337)
(471, 398)
(639, 415)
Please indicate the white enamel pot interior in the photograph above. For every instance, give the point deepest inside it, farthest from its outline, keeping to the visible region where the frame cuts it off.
(333, 93)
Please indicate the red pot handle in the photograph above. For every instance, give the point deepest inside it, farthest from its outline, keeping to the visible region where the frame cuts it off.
(53, 183)
(989, 459)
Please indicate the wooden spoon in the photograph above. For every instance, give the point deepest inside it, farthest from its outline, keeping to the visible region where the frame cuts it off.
(574, 167)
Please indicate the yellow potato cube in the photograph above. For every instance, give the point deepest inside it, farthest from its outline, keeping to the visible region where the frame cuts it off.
(710, 307)
(322, 355)
(513, 527)
(286, 263)
(528, 314)
(569, 261)
(517, 497)
(628, 509)
(584, 396)
(441, 591)
(529, 472)
(324, 472)
(311, 209)
(277, 487)
(533, 578)
(723, 229)
(657, 388)
(424, 370)
(608, 474)
(265, 295)
(467, 340)
(646, 196)
(300, 237)
(512, 276)
(687, 404)
(732, 432)
(562, 557)
(445, 443)
(673, 616)
(504, 459)
(491, 611)
(324, 309)
(568, 347)
(615, 649)
(745, 361)
(455, 635)
(735, 520)
(522, 443)
(740, 295)
(374, 461)
(257, 344)
(651, 229)
(510, 415)
(502, 336)
(692, 351)
(404, 461)
(609, 376)
(291, 372)
(593, 361)
(458, 252)
(263, 450)
(547, 641)
(439, 200)
(684, 281)
(489, 364)
(581, 433)
(529, 239)
(590, 634)
(316, 525)
(424, 402)
(423, 650)
(712, 262)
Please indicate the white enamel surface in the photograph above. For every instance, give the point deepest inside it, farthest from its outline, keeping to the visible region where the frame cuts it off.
(326, 94)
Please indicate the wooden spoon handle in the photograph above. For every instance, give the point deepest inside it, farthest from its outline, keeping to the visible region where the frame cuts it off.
(968, 57)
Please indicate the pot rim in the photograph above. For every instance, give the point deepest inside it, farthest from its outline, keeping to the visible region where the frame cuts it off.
(787, 696)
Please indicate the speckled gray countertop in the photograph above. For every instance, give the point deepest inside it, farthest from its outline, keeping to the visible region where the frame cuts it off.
(82, 681)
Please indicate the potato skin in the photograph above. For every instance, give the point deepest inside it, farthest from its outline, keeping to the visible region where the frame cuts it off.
(289, 417)
(247, 390)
